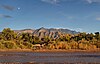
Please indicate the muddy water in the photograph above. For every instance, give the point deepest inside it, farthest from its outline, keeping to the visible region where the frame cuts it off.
(50, 57)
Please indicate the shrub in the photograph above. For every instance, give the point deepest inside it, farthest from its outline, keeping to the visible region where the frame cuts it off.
(9, 44)
(28, 45)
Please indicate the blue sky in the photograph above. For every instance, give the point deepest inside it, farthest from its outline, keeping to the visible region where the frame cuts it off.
(79, 15)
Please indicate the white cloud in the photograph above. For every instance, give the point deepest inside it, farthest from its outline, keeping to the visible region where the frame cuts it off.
(91, 1)
(76, 29)
(51, 1)
(58, 1)
(79, 29)
(98, 18)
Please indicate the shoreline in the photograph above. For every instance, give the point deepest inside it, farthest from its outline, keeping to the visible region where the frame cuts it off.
(47, 50)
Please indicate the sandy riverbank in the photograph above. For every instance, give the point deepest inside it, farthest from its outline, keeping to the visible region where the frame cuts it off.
(47, 50)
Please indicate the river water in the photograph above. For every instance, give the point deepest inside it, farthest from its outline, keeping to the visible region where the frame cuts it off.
(50, 57)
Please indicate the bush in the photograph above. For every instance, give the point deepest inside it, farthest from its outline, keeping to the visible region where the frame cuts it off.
(83, 46)
(22, 46)
(1, 46)
(63, 45)
(97, 44)
(9, 45)
(28, 45)
(73, 45)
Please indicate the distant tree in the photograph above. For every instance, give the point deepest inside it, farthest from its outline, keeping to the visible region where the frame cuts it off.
(8, 34)
(35, 40)
(89, 36)
(45, 40)
(97, 35)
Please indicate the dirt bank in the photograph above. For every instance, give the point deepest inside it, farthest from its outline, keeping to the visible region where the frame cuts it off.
(47, 50)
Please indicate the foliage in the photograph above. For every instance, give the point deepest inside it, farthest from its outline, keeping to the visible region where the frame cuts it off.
(12, 40)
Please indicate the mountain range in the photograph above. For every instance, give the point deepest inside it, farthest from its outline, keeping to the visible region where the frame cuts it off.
(52, 32)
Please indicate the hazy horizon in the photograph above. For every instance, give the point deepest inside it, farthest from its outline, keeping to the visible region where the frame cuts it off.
(78, 15)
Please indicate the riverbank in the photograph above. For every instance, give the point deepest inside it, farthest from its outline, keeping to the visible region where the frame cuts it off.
(47, 50)
(16, 50)
(71, 50)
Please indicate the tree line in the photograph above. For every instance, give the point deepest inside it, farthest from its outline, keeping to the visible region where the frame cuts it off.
(84, 41)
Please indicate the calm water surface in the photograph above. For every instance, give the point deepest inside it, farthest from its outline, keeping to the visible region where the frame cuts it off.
(47, 57)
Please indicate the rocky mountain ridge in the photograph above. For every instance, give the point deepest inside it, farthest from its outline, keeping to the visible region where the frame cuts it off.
(52, 32)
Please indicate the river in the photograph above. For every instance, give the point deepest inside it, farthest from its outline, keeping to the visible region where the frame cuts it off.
(50, 57)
